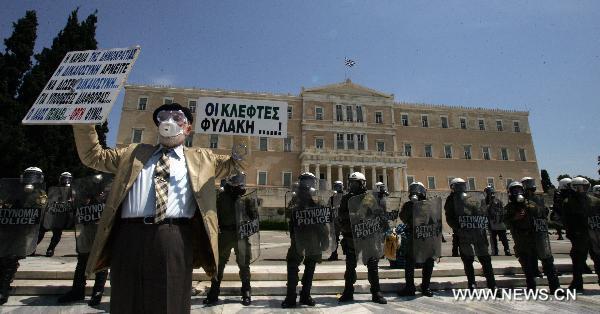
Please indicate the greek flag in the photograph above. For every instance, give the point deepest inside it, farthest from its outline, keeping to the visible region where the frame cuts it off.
(349, 62)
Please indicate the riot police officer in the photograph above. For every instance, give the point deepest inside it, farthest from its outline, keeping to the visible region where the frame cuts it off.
(356, 186)
(496, 218)
(471, 231)
(65, 180)
(596, 190)
(527, 220)
(334, 202)
(580, 215)
(430, 241)
(308, 240)
(560, 195)
(17, 240)
(233, 190)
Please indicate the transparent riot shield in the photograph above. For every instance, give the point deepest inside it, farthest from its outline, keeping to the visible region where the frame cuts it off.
(21, 210)
(427, 229)
(539, 221)
(312, 224)
(59, 211)
(369, 223)
(335, 202)
(392, 214)
(471, 212)
(248, 222)
(89, 197)
(593, 221)
(496, 215)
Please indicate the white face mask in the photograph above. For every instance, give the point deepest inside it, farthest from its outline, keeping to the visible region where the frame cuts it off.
(414, 198)
(520, 198)
(463, 195)
(169, 128)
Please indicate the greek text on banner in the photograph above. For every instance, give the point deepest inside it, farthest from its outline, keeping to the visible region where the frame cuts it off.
(236, 116)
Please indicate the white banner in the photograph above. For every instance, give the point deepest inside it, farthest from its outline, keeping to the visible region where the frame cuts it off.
(236, 116)
(84, 87)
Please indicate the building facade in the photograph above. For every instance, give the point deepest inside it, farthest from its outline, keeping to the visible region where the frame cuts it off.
(336, 129)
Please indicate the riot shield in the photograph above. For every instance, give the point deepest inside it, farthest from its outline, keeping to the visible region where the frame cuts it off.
(593, 220)
(427, 229)
(392, 215)
(369, 222)
(539, 221)
(313, 226)
(59, 211)
(496, 215)
(248, 222)
(472, 217)
(20, 216)
(89, 197)
(335, 202)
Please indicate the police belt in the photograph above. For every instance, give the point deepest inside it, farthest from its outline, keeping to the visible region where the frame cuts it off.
(149, 220)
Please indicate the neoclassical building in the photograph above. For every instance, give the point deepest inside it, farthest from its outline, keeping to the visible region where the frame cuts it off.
(336, 129)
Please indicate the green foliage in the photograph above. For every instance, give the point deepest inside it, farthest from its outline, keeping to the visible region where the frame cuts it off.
(562, 176)
(546, 182)
(52, 148)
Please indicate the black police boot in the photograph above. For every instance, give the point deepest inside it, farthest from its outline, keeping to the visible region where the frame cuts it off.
(409, 276)
(427, 272)
(348, 294)
(307, 279)
(469, 272)
(10, 265)
(98, 290)
(377, 297)
(56, 235)
(488, 271)
(246, 295)
(553, 283)
(292, 283)
(373, 276)
(333, 256)
(77, 292)
(212, 297)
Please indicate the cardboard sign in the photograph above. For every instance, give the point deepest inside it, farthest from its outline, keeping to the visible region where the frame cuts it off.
(236, 116)
(84, 87)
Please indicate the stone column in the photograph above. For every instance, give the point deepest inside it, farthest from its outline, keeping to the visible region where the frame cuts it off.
(329, 182)
(384, 172)
(340, 173)
(351, 169)
(396, 180)
(405, 178)
(363, 170)
(373, 176)
(318, 175)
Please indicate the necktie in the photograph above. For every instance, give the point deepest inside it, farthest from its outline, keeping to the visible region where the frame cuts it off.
(161, 185)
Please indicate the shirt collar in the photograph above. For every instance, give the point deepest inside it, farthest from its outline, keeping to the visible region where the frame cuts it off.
(177, 150)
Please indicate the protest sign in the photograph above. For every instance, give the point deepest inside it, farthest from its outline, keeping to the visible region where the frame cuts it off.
(236, 116)
(84, 87)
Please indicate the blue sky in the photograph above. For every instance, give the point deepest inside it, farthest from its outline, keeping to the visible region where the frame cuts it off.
(542, 56)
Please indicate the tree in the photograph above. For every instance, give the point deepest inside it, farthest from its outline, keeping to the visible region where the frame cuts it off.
(51, 148)
(546, 183)
(562, 176)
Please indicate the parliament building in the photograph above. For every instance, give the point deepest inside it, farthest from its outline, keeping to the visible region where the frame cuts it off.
(336, 129)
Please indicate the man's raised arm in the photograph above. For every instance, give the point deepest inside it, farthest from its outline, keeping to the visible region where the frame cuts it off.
(91, 152)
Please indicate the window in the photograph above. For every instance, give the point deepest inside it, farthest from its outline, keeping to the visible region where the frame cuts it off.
(263, 144)
(290, 111)
(142, 103)
(522, 156)
(450, 180)
(410, 179)
(444, 121)
(467, 149)
(504, 153)
(499, 126)
(137, 135)
(339, 141)
(188, 140)
(167, 100)
(360, 139)
(463, 123)
(490, 182)
(349, 115)
(481, 125)
(359, 113)
(262, 177)
(431, 183)
(319, 113)
(287, 144)
(319, 143)
(379, 117)
(213, 141)
(471, 184)
(380, 146)
(486, 153)
(428, 151)
(192, 104)
(516, 126)
(424, 121)
(339, 116)
(350, 141)
(407, 150)
(448, 151)
(287, 179)
(404, 119)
